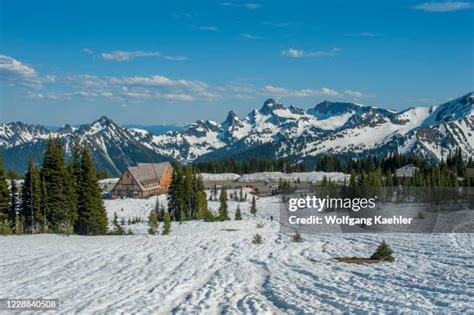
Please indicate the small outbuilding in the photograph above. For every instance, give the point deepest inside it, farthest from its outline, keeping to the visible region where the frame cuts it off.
(144, 180)
(406, 171)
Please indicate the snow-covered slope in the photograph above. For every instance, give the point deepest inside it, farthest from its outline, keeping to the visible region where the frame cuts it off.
(213, 268)
(449, 126)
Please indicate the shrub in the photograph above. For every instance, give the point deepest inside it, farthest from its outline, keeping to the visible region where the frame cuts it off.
(383, 252)
(210, 217)
(260, 225)
(5, 228)
(238, 214)
(257, 239)
(420, 215)
(296, 237)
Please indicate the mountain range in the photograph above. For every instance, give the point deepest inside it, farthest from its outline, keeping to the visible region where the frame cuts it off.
(274, 130)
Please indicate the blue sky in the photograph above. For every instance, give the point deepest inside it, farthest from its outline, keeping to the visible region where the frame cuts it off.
(152, 62)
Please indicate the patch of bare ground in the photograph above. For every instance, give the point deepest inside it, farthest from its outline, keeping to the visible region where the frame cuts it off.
(360, 260)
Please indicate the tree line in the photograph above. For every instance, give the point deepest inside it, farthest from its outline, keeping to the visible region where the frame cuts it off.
(366, 171)
(253, 165)
(186, 196)
(187, 199)
(60, 196)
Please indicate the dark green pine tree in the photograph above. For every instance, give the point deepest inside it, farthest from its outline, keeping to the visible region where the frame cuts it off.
(153, 222)
(160, 210)
(253, 207)
(176, 198)
(44, 210)
(201, 206)
(4, 195)
(13, 209)
(92, 218)
(189, 194)
(238, 214)
(72, 179)
(53, 173)
(70, 190)
(223, 208)
(166, 223)
(383, 252)
(30, 208)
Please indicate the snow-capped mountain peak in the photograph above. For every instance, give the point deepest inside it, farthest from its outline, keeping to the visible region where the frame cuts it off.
(272, 130)
(328, 127)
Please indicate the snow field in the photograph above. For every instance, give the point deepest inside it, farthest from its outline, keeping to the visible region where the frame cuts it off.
(211, 268)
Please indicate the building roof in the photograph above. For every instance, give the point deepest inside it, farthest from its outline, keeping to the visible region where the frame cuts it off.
(148, 173)
(406, 171)
(470, 172)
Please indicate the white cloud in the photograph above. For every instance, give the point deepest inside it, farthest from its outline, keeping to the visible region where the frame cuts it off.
(176, 58)
(250, 6)
(323, 92)
(279, 91)
(249, 36)
(159, 81)
(209, 28)
(354, 94)
(176, 97)
(448, 6)
(17, 73)
(121, 56)
(364, 34)
(133, 88)
(128, 55)
(295, 53)
(11, 68)
(185, 15)
(88, 51)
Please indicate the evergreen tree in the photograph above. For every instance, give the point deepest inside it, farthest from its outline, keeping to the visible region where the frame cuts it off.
(53, 173)
(44, 210)
(257, 239)
(118, 228)
(223, 208)
(202, 207)
(31, 199)
(353, 180)
(189, 194)
(253, 207)
(238, 214)
(241, 195)
(166, 223)
(13, 209)
(70, 191)
(383, 252)
(153, 222)
(72, 180)
(160, 210)
(4, 195)
(92, 218)
(176, 197)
